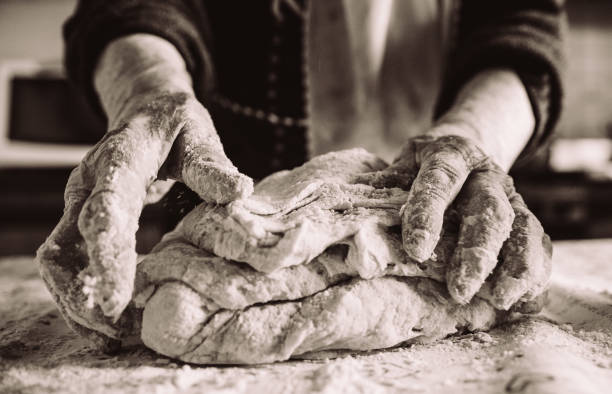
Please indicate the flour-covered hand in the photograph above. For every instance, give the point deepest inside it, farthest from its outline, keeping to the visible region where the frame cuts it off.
(500, 241)
(159, 130)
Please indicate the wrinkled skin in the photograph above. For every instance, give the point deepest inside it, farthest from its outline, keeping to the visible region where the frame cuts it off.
(159, 130)
(89, 260)
(501, 243)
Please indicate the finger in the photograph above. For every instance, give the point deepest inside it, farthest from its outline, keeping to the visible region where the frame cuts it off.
(204, 166)
(121, 168)
(486, 221)
(445, 165)
(526, 259)
(60, 260)
(62, 256)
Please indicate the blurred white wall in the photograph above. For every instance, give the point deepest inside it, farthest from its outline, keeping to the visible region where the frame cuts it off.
(31, 29)
(588, 104)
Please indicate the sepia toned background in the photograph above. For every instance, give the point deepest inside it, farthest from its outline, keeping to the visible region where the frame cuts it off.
(45, 128)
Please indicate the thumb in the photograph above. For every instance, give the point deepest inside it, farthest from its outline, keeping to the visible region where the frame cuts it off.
(205, 168)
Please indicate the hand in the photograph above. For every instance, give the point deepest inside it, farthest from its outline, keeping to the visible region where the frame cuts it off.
(500, 240)
(89, 260)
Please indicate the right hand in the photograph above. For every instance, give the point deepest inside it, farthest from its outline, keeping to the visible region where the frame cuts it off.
(89, 260)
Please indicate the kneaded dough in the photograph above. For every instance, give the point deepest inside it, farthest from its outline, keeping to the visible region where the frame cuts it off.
(312, 261)
(293, 216)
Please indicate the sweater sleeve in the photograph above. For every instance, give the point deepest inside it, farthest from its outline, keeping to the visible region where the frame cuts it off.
(95, 23)
(523, 35)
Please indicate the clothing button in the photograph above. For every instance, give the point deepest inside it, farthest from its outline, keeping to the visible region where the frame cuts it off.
(272, 118)
(276, 164)
(276, 40)
(260, 114)
(279, 147)
(272, 77)
(274, 58)
(271, 94)
(279, 132)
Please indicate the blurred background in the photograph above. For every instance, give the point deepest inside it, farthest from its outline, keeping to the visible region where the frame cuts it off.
(45, 128)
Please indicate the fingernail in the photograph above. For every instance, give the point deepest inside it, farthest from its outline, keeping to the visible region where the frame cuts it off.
(419, 244)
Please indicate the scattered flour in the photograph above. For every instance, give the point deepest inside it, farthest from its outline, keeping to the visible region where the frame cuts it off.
(566, 349)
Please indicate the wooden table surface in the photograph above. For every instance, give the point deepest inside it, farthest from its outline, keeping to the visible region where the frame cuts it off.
(567, 348)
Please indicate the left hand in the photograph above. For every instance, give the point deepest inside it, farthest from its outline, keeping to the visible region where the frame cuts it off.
(498, 236)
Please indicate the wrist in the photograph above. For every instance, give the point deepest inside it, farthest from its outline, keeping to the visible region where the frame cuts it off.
(135, 67)
(493, 110)
(459, 128)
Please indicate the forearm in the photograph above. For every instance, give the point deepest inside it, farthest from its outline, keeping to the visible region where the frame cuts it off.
(136, 65)
(494, 110)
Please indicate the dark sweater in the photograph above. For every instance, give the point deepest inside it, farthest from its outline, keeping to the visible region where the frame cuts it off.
(227, 47)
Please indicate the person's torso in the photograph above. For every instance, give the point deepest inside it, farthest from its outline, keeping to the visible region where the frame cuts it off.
(295, 80)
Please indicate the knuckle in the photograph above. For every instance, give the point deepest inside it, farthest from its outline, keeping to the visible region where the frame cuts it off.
(487, 207)
(448, 162)
(103, 214)
(421, 217)
(77, 187)
(162, 104)
(109, 137)
(499, 211)
(528, 256)
(527, 224)
(438, 182)
(517, 268)
(488, 180)
(113, 150)
(447, 172)
(461, 150)
(162, 115)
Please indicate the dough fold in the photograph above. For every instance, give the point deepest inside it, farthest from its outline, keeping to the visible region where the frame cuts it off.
(311, 261)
